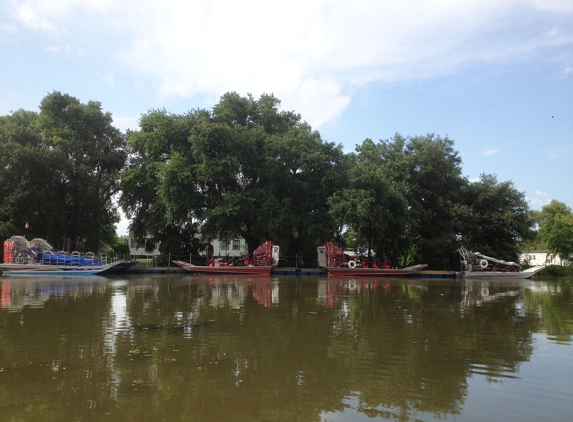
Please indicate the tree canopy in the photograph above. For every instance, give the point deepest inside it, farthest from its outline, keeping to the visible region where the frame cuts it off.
(371, 204)
(434, 187)
(556, 228)
(162, 141)
(59, 171)
(496, 218)
(407, 199)
(243, 169)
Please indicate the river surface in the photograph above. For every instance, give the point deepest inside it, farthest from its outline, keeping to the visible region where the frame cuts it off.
(193, 348)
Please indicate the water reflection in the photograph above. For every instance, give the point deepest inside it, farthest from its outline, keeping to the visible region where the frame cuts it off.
(19, 292)
(272, 348)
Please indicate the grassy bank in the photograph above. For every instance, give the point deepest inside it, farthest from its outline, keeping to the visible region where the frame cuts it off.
(557, 271)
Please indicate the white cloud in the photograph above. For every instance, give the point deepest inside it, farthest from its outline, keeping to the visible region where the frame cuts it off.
(539, 199)
(31, 15)
(317, 100)
(554, 5)
(59, 49)
(48, 15)
(311, 55)
(126, 122)
(8, 27)
(490, 152)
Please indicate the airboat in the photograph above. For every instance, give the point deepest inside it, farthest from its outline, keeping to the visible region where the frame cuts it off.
(264, 258)
(474, 265)
(337, 263)
(38, 257)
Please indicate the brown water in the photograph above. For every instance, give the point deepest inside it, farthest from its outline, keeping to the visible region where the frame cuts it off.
(189, 348)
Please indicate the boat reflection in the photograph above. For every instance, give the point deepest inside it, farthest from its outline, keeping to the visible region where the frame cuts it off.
(332, 292)
(232, 291)
(19, 292)
(480, 291)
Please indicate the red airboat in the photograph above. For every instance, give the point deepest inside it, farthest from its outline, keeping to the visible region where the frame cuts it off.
(262, 262)
(336, 263)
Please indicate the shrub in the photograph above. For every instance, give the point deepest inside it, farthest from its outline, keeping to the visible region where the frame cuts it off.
(557, 271)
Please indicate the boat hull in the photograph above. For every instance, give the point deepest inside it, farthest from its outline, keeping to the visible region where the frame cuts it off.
(373, 272)
(56, 270)
(517, 275)
(233, 269)
(120, 267)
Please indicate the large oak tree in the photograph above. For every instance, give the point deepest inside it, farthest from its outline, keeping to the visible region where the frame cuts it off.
(245, 168)
(59, 171)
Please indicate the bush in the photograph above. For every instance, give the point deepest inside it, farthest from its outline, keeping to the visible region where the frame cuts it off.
(557, 271)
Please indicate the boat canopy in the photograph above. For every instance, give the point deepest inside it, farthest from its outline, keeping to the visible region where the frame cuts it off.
(467, 256)
(19, 250)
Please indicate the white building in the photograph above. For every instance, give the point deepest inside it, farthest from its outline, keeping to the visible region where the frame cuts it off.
(221, 248)
(542, 258)
(134, 250)
(229, 247)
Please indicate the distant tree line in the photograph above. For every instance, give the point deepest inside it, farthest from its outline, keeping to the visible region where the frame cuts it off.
(246, 168)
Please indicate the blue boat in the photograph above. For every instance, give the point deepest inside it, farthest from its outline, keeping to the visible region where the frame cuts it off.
(37, 257)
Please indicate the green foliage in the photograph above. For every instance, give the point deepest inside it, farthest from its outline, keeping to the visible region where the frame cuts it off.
(552, 210)
(158, 167)
(534, 242)
(496, 218)
(301, 172)
(553, 230)
(232, 169)
(424, 187)
(245, 169)
(558, 271)
(370, 203)
(121, 246)
(556, 228)
(435, 185)
(59, 172)
(408, 199)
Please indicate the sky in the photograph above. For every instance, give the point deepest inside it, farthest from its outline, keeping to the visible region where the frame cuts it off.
(495, 76)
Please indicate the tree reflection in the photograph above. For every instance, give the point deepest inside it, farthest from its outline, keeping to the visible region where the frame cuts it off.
(232, 348)
(552, 301)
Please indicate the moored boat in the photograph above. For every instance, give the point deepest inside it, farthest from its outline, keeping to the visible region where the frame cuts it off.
(37, 257)
(337, 263)
(58, 270)
(262, 262)
(474, 265)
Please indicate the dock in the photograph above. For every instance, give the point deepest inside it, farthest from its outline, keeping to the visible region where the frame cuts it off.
(434, 274)
(290, 271)
(143, 269)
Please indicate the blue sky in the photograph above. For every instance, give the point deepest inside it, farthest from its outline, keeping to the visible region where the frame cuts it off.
(496, 76)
